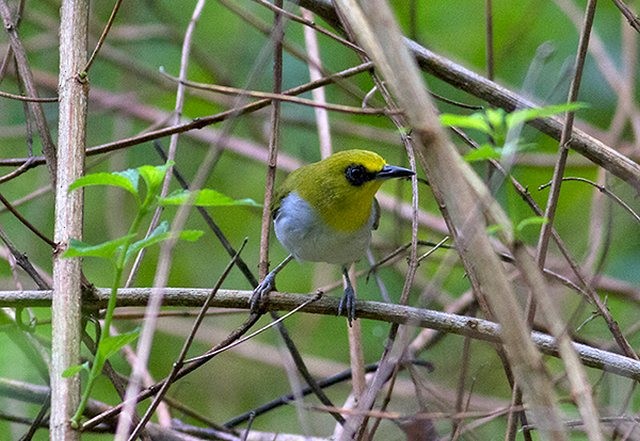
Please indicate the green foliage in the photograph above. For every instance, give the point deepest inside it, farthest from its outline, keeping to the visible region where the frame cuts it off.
(109, 346)
(204, 198)
(533, 221)
(105, 250)
(500, 126)
(119, 251)
(76, 369)
(158, 235)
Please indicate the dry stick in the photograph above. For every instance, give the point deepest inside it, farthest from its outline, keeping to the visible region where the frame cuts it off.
(179, 363)
(413, 260)
(308, 22)
(26, 77)
(27, 99)
(66, 314)
(274, 144)
(462, 378)
(389, 362)
(452, 184)
(103, 36)
(576, 376)
(579, 384)
(488, 14)
(318, 105)
(201, 122)
(314, 65)
(470, 82)
(557, 180)
(602, 189)
(295, 51)
(173, 141)
(387, 354)
(263, 266)
(163, 269)
(25, 222)
(632, 18)
(150, 391)
(552, 201)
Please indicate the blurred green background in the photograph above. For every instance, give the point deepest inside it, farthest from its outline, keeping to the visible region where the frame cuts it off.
(129, 95)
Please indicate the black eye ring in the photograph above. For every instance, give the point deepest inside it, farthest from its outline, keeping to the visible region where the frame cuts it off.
(357, 175)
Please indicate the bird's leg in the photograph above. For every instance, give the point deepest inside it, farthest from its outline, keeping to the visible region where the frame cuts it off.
(348, 300)
(267, 285)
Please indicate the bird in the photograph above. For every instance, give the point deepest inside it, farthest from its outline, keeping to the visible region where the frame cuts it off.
(326, 212)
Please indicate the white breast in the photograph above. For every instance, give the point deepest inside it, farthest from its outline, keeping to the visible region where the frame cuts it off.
(299, 229)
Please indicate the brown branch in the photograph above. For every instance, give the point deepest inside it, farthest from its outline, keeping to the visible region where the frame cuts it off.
(632, 18)
(67, 273)
(384, 312)
(26, 77)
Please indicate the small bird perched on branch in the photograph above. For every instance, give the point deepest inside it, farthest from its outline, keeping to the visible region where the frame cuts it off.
(325, 212)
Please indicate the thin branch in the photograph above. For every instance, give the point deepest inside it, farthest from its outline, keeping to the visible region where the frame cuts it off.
(177, 365)
(602, 189)
(163, 268)
(552, 201)
(26, 77)
(632, 18)
(234, 91)
(103, 37)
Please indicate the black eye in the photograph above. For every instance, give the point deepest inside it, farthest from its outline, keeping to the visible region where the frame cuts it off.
(357, 175)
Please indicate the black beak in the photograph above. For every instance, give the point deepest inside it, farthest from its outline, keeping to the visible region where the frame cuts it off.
(393, 171)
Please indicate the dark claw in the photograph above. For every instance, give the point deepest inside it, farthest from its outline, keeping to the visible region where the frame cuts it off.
(261, 292)
(348, 302)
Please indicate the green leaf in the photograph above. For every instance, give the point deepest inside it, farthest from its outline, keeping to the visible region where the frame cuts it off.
(109, 346)
(160, 234)
(474, 121)
(483, 153)
(132, 175)
(494, 229)
(75, 369)
(204, 198)
(531, 221)
(524, 115)
(104, 250)
(153, 176)
(124, 180)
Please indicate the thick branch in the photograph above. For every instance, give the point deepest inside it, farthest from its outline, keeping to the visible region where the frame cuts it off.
(66, 333)
(385, 312)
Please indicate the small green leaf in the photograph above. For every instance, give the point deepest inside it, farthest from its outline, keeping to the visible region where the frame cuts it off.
(132, 175)
(160, 234)
(531, 221)
(474, 121)
(75, 369)
(204, 198)
(524, 115)
(483, 153)
(191, 235)
(153, 176)
(109, 346)
(123, 180)
(104, 250)
(494, 229)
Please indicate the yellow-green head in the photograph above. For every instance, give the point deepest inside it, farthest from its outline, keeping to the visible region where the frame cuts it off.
(342, 187)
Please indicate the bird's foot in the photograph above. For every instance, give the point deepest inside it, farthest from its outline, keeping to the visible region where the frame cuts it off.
(348, 303)
(261, 292)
